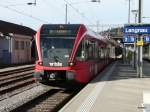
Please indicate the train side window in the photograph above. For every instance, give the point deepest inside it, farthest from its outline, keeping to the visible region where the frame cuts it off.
(99, 53)
(81, 51)
(96, 50)
(90, 49)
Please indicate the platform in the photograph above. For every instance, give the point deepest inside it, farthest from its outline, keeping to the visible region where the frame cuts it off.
(119, 90)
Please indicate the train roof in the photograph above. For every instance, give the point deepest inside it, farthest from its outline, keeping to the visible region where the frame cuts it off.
(6, 27)
(93, 34)
(105, 39)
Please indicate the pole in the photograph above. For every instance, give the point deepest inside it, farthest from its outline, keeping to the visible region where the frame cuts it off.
(135, 48)
(140, 48)
(125, 53)
(97, 26)
(66, 16)
(129, 11)
(34, 2)
(136, 17)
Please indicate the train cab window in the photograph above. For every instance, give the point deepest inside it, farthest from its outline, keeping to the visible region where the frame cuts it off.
(59, 46)
(80, 55)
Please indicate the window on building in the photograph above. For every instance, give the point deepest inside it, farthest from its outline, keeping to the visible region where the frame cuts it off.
(22, 44)
(16, 45)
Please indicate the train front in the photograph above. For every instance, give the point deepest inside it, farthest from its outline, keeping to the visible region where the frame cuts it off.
(54, 45)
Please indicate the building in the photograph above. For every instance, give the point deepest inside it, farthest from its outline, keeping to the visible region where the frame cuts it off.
(15, 43)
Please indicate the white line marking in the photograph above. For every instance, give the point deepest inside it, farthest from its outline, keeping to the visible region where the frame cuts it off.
(89, 101)
(146, 101)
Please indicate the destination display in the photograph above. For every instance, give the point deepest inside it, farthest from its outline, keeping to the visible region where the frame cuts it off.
(59, 30)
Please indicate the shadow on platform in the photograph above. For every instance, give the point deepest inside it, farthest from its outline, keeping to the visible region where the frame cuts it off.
(123, 72)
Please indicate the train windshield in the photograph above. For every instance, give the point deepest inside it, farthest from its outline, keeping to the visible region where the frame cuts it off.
(55, 49)
(57, 43)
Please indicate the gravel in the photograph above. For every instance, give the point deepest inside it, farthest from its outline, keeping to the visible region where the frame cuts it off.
(17, 100)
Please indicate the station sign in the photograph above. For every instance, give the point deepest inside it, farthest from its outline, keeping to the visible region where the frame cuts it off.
(137, 29)
(129, 39)
(146, 39)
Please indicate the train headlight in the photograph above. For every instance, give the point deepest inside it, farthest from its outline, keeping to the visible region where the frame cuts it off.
(70, 75)
(71, 63)
(40, 63)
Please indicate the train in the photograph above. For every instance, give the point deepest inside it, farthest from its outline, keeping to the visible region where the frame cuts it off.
(71, 52)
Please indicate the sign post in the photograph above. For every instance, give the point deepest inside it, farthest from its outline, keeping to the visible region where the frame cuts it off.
(140, 31)
(140, 48)
(131, 40)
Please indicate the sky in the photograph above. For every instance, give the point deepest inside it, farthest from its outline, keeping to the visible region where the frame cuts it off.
(107, 12)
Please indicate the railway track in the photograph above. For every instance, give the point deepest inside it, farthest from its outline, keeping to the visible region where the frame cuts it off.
(15, 81)
(50, 101)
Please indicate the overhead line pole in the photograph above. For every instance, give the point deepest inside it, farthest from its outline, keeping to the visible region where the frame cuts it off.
(129, 11)
(140, 48)
(124, 46)
(66, 14)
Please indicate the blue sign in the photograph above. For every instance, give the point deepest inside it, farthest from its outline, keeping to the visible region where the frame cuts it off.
(146, 39)
(137, 29)
(129, 39)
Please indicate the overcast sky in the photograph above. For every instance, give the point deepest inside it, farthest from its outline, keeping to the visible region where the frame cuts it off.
(79, 11)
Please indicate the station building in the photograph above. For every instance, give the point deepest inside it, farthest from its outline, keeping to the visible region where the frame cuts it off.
(15, 43)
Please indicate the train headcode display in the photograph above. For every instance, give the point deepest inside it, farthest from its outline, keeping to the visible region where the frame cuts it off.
(60, 32)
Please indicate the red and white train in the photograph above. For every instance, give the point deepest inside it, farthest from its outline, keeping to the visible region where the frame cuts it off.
(71, 52)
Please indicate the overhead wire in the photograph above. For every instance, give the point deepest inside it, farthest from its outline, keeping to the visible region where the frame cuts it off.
(38, 19)
(23, 13)
(81, 14)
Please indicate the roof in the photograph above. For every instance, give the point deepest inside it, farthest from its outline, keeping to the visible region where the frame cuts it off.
(6, 27)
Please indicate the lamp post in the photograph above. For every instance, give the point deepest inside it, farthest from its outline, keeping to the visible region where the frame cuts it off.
(66, 14)
(129, 11)
(145, 17)
(135, 12)
(95, 1)
(32, 3)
